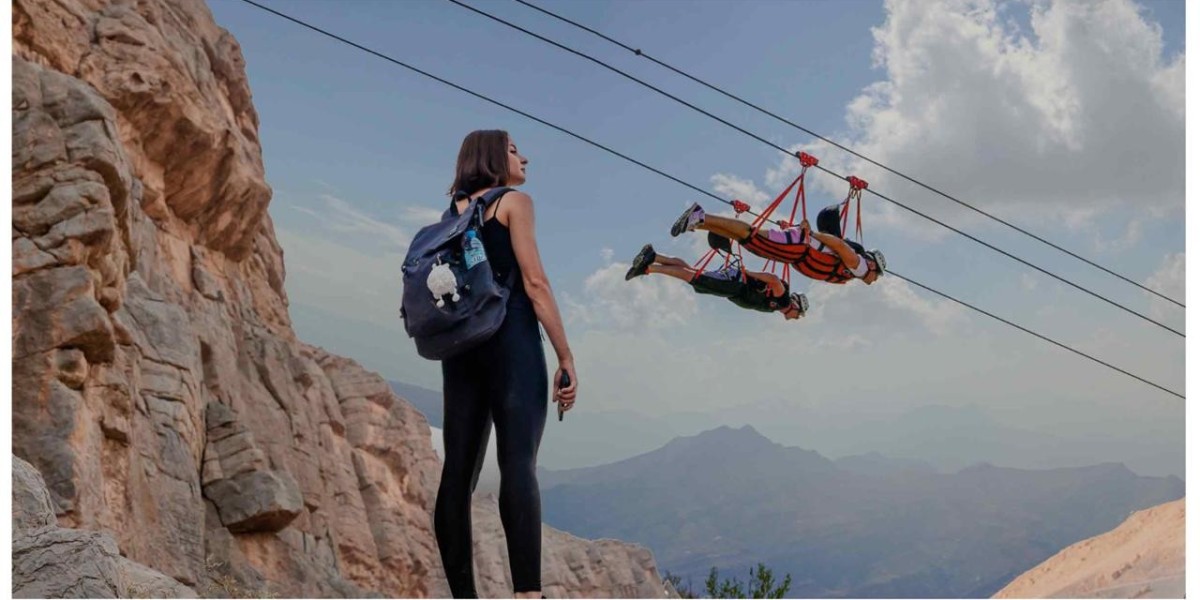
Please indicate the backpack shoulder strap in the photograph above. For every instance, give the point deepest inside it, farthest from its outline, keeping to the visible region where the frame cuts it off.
(485, 199)
(493, 196)
(483, 202)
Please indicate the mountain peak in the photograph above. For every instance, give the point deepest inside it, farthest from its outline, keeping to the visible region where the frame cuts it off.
(746, 434)
(743, 430)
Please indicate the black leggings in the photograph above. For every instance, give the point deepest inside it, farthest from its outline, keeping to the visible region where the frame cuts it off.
(504, 381)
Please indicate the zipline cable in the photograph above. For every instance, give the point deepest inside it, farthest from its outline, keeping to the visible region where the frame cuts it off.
(1034, 333)
(1098, 296)
(648, 167)
(639, 52)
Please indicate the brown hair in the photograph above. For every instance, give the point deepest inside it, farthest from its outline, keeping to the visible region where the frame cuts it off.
(482, 162)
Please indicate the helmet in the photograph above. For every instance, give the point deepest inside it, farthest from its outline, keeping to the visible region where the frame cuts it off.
(829, 220)
(880, 261)
(799, 301)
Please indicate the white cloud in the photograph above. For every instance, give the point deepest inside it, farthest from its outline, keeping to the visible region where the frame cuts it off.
(325, 185)
(889, 306)
(1078, 116)
(851, 342)
(330, 275)
(420, 215)
(308, 211)
(1128, 239)
(737, 188)
(342, 217)
(339, 246)
(336, 218)
(649, 302)
(1169, 280)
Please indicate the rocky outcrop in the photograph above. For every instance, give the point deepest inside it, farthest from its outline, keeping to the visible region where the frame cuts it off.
(1142, 558)
(247, 494)
(571, 567)
(157, 383)
(56, 562)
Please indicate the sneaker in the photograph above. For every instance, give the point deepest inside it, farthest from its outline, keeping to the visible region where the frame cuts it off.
(688, 221)
(641, 262)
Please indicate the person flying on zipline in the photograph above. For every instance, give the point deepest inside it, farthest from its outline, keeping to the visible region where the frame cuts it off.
(819, 255)
(822, 255)
(763, 292)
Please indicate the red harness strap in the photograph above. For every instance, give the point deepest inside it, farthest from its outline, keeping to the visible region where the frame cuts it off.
(700, 265)
(856, 187)
(766, 214)
(774, 252)
(806, 161)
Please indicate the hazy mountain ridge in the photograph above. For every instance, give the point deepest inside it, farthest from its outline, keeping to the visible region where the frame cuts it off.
(859, 526)
(945, 437)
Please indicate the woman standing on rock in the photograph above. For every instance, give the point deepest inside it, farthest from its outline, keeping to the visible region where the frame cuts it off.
(501, 381)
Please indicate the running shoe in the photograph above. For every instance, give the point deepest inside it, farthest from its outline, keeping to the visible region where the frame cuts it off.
(688, 221)
(641, 262)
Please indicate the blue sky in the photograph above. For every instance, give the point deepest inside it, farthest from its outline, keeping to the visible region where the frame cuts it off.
(1017, 112)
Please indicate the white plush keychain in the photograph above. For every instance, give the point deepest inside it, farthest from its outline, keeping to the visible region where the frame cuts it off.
(441, 281)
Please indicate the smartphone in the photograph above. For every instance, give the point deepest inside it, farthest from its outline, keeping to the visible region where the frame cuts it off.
(563, 382)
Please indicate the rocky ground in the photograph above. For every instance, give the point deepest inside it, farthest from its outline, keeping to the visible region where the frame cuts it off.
(1141, 558)
(158, 387)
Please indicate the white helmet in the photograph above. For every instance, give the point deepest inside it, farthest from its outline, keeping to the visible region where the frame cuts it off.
(799, 301)
(880, 261)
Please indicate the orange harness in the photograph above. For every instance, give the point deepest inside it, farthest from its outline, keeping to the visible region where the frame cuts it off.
(822, 266)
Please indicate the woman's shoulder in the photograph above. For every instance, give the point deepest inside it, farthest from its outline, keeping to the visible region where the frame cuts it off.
(515, 195)
(516, 200)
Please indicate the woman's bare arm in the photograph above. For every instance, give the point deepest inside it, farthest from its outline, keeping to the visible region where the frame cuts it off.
(849, 257)
(518, 216)
(770, 279)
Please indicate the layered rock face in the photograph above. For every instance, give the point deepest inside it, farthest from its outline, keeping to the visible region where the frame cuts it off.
(1142, 558)
(157, 383)
(57, 562)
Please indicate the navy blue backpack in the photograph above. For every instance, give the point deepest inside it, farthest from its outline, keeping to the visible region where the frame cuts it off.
(448, 308)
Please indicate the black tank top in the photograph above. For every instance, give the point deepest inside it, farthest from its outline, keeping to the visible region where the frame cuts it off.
(497, 242)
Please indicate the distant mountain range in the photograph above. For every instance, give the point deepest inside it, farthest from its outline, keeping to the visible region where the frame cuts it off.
(948, 437)
(861, 526)
(585, 437)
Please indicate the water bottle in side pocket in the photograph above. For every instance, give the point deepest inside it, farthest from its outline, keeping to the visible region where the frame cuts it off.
(473, 253)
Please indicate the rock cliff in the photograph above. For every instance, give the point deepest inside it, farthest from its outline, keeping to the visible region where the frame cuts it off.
(157, 384)
(1141, 558)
